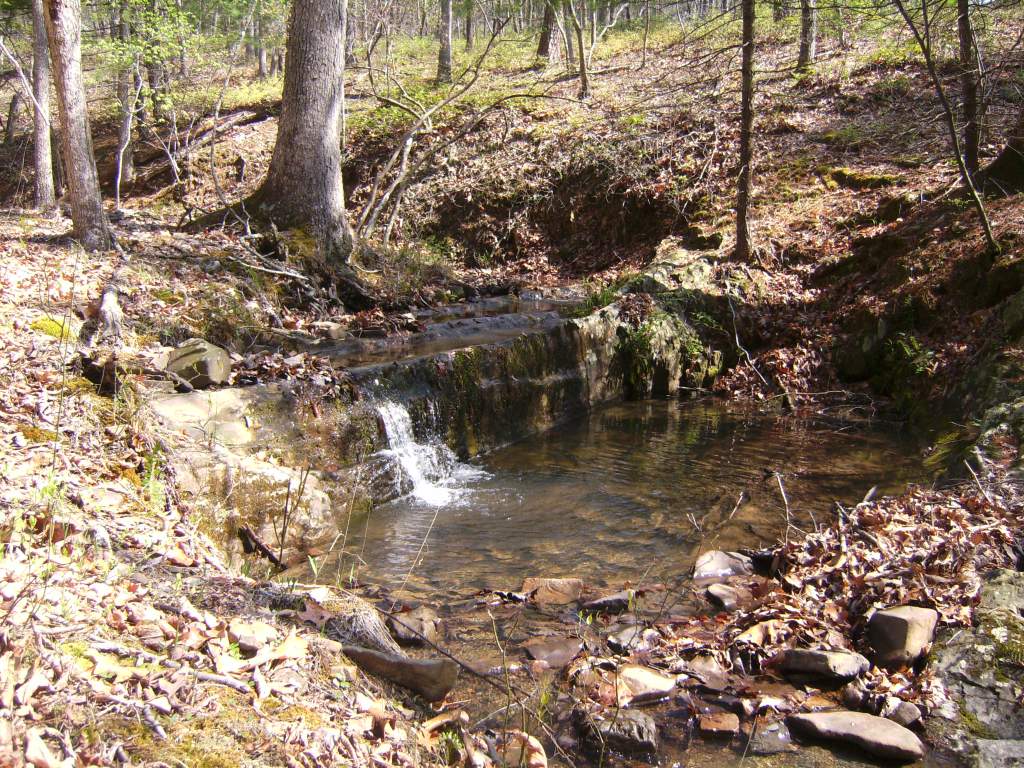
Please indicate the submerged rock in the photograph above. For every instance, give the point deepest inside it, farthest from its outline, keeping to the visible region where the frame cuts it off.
(770, 739)
(556, 652)
(718, 565)
(200, 363)
(875, 735)
(831, 666)
(553, 591)
(719, 724)
(899, 636)
(624, 730)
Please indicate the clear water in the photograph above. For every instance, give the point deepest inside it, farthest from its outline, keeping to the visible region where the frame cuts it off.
(632, 492)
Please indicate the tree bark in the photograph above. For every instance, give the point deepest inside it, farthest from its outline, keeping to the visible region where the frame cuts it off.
(444, 56)
(968, 85)
(469, 25)
(743, 245)
(63, 24)
(304, 184)
(46, 195)
(546, 31)
(808, 33)
(1005, 174)
(14, 116)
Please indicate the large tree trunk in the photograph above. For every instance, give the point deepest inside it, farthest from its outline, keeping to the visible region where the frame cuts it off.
(547, 28)
(1005, 174)
(746, 134)
(46, 196)
(808, 33)
(444, 56)
(304, 184)
(63, 24)
(969, 85)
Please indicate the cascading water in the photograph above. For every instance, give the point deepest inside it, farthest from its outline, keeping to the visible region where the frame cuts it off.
(429, 472)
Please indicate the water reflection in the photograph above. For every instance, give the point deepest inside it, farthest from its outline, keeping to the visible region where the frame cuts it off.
(632, 491)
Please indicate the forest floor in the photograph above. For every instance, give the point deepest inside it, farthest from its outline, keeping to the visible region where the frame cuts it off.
(119, 623)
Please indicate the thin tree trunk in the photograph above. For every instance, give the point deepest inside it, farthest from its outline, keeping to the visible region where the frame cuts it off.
(63, 24)
(647, 32)
(568, 29)
(46, 196)
(808, 34)
(304, 185)
(14, 116)
(469, 25)
(968, 85)
(743, 239)
(924, 44)
(444, 56)
(261, 49)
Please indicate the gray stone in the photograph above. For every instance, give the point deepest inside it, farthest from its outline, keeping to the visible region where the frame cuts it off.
(771, 739)
(899, 711)
(717, 565)
(634, 639)
(420, 626)
(832, 666)
(875, 735)
(636, 684)
(624, 730)
(999, 753)
(899, 636)
(556, 652)
(727, 597)
(200, 363)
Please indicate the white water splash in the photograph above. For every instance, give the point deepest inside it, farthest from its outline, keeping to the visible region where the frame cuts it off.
(432, 470)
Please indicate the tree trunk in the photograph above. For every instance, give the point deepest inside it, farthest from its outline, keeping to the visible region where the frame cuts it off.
(469, 25)
(546, 29)
(808, 33)
(46, 196)
(567, 33)
(261, 48)
(444, 56)
(304, 185)
(968, 85)
(743, 246)
(63, 24)
(1005, 174)
(14, 116)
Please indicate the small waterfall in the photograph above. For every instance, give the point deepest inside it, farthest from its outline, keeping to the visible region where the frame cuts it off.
(428, 471)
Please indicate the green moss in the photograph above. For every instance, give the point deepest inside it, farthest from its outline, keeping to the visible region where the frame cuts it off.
(52, 326)
(854, 179)
(634, 360)
(37, 434)
(974, 725)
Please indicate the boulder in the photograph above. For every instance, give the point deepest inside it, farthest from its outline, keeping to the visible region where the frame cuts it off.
(899, 711)
(830, 666)
(875, 735)
(200, 363)
(553, 591)
(899, 636)
(556, 652)
(719, 724)
(624, 730)
(636, 684)
(420, 626)
(718, 566)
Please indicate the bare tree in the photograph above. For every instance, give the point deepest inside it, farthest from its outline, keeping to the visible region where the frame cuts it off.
(46, 197)
(64, 26)
(14, 110)
(743, 245)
